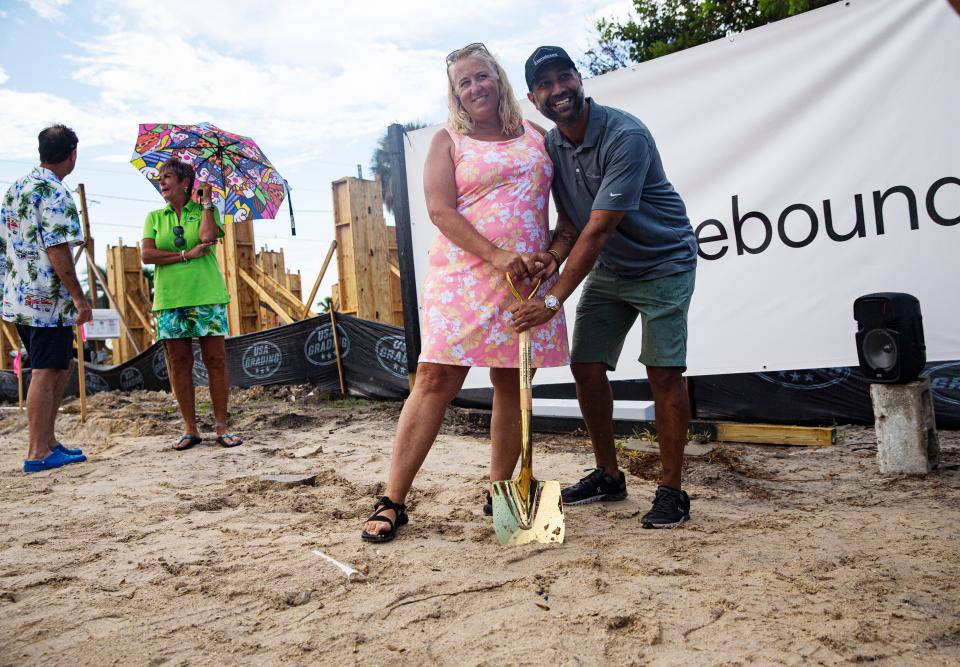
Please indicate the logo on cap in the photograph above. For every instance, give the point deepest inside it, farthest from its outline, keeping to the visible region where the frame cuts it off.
(537, 61)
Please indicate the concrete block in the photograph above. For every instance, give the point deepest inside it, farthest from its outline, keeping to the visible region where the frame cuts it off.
(907, 442)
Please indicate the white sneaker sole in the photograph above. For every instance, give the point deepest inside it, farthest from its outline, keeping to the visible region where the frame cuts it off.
(675, 524)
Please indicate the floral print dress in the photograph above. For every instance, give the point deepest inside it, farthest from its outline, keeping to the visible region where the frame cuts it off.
(503, 188)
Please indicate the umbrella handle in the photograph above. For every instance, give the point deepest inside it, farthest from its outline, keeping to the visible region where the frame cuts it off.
(293, 222)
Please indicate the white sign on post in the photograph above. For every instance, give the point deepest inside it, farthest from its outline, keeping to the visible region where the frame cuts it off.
(105, 324)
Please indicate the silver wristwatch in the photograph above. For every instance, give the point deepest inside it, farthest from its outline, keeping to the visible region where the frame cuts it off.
(551, 302)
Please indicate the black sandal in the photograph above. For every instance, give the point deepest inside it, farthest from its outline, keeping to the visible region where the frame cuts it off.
(191, 440)
(384, 503)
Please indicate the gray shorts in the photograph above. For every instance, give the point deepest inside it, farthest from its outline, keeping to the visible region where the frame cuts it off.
(609, 306)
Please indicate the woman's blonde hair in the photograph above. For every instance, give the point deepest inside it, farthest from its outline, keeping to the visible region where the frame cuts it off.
(511, 118)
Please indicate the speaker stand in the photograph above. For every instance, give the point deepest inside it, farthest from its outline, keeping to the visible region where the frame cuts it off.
(907, 442)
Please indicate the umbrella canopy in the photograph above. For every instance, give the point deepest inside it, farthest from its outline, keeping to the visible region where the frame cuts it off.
(245, 184)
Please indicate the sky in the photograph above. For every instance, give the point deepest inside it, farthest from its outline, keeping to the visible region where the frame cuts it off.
(314, 83)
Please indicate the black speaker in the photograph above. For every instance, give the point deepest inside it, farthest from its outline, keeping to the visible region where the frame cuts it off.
(890, 337)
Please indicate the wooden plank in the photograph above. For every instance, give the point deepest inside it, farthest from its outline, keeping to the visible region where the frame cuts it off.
(234, 252)
(9, 343)
(270, 272)
(346, 266)
(81, 375)
(316, 285)
(336, 348)
(227, 258)
(135, 309)
(277, 308)
(88, 239)
(294, 283)
(363, 255)
(279, 290)
(126, 282)
(113, 302)
(133, 294)
(775, 434)
(246, 259)
(396, 286)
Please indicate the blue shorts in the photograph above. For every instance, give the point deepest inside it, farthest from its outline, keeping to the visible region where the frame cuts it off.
(47, 347)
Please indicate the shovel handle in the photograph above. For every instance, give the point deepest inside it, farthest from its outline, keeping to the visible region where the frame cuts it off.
(517, 294)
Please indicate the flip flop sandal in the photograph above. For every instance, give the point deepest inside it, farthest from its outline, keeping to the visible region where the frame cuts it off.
(384, 503)
(224, 440)
(191, 440)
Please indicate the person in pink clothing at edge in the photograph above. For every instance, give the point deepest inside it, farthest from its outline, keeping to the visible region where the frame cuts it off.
(487, 185)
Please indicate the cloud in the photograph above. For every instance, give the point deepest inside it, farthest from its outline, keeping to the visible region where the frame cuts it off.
(47, 9)
(4, 77)
(343, 74)
(23, 115)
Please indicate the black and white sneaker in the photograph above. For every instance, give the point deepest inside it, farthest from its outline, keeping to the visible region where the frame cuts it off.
(671, 508)
(598, 486)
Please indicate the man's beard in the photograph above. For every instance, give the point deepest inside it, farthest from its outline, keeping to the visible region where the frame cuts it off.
(571, 115)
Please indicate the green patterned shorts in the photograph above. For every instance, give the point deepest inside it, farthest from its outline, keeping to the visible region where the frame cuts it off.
(192, 321)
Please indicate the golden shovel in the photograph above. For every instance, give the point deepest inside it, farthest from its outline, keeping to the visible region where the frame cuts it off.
(526, 509)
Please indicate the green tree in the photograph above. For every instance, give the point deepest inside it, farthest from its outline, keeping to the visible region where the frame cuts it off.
(380, 164)
(324, 305)
(660, 27)
(148, 273)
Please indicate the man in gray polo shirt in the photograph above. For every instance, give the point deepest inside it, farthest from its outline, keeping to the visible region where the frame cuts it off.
(621, 222)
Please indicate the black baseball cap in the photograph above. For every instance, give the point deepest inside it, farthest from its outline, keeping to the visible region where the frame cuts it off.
(545, 55)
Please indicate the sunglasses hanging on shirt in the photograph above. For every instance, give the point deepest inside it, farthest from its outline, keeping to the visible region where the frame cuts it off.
(178, 238)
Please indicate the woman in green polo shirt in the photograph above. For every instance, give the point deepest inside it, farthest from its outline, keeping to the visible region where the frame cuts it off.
(190, 298)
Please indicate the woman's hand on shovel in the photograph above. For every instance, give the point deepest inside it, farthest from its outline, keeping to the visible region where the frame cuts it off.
(520, 266)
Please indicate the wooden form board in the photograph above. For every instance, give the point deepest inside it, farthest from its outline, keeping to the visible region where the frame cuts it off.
(283, 286)
(774, 434)
(271, 262)
(396, 296)
(9, 344)
(131, 291)
(363, 254)
(294, 283)
(236, 251)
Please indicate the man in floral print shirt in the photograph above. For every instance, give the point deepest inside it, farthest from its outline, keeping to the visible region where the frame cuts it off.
(41, 295)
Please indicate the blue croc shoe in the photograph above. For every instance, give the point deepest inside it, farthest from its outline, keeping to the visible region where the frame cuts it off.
(55, 459)
(69, 451)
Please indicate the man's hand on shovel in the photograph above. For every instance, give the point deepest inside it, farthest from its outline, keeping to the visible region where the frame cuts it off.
(529, 314)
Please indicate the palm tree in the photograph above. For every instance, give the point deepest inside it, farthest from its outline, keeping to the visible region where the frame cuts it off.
(325, 304)
(43, 189)
(380, 163)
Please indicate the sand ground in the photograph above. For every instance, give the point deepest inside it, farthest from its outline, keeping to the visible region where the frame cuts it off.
(145, 556)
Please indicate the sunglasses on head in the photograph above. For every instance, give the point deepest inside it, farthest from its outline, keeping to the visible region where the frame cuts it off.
(454, 56)
(178, 239)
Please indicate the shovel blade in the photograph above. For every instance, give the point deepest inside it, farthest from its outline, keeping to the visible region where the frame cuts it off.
(524, 513)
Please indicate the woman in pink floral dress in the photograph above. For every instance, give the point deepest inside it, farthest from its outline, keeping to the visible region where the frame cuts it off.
(487, 185)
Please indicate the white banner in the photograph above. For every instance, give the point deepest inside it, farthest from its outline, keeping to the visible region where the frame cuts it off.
(819, 158)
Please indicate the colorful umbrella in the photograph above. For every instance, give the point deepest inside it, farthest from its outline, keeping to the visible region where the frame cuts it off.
(245, 184)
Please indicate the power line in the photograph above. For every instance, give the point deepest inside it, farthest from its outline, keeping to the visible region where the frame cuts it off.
(100, 194)
(126, 172)
(273, 238)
